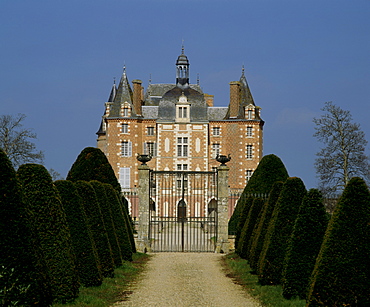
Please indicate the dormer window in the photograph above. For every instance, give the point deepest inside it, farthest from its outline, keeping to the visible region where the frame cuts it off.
(183, 109)
(125, 112)
(250, 114)
(183, 112)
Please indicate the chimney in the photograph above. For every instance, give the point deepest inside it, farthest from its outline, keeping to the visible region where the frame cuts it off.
(209, 99)
(137, 96)
(234, 99)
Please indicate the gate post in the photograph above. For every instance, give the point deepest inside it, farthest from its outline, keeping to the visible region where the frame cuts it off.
(222, 245)
(143, 244)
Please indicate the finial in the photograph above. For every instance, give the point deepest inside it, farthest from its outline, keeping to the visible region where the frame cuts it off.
(182, 47)
(124, 68)
(243, 70)
(150, 78)
(197, 78)
(114, 80)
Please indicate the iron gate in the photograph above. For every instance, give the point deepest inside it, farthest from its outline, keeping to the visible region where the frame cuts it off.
(183, 211)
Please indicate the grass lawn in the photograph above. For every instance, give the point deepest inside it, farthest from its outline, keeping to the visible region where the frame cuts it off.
(113, 289)
(269, 296)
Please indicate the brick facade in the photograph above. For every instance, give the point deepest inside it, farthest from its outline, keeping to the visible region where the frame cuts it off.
(182, 130)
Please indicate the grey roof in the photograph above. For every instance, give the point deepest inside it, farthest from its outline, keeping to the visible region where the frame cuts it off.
(113, 93)
(150, 112)
(198, 106)
(155, 92)
(217, 113)
(123, 94)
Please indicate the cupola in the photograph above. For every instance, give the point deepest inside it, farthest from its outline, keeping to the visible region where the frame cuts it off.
(182, 71)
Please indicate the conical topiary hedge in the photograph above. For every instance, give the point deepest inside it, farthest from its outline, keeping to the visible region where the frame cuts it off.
(248, 227)
(121, 224)
(241, 221)
(96, 224)
(304, 245)
(271, 261)
(49, 220)
(341, 276)
(92, 164)
(259, 234)
(131, 226)
(105, 206)
(269, 170)
(87, 259)
(24, 277)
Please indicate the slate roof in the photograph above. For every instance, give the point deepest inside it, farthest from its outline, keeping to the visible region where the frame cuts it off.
(217, 113)
(155, 92)
(150, 112)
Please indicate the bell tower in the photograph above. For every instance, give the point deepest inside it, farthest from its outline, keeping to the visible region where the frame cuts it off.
(182, 71)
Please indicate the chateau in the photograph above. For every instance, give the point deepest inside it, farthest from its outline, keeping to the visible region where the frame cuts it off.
(180, 128)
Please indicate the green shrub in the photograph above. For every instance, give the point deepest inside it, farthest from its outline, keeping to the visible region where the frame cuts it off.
(130, 223)
(269, 170)
(341, 276)
(87, 260)
(92, 164)
(121, 224)
(304, 245)
(248, 227)
(279, 232)
(53, 234)
(96, 224)
(259, 233)
(241, 221)
(23, 277)
(105, 206)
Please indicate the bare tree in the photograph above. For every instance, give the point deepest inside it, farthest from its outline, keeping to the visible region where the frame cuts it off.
(55, 175)
(343, 157)
(15, 141)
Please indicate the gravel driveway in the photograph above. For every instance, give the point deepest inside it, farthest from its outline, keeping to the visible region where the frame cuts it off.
(186, 279)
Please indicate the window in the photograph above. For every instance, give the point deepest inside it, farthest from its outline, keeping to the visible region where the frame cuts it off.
(124, 177)
(250, 114)
(216, 131)
(248, 174)
(249, 131)
(124, 128)
(182, 147)
(126, 149)
(182, 177)
(183, 112)
(125, 112)
(150, 130)
(215, 150)
(150, 148)
(249, 152)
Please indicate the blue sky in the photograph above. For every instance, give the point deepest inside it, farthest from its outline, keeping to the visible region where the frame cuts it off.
(58, 60)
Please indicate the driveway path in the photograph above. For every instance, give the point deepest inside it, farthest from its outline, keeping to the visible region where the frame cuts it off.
(186, 279)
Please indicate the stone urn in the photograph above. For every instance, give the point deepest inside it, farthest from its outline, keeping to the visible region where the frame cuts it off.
(223, 159)
(143, 158)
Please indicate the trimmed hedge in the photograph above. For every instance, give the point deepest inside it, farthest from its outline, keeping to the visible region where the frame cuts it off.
(105, 206)
(92, 164)
(248, 227)
(247, 204)
(121, 224)
(304, 245)
(50, 223)
(259, 233)
(87, 260)
(341, 276)
(279, 232)
(96, 224)
(269, 170)
(23, 272)
(130, 223)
